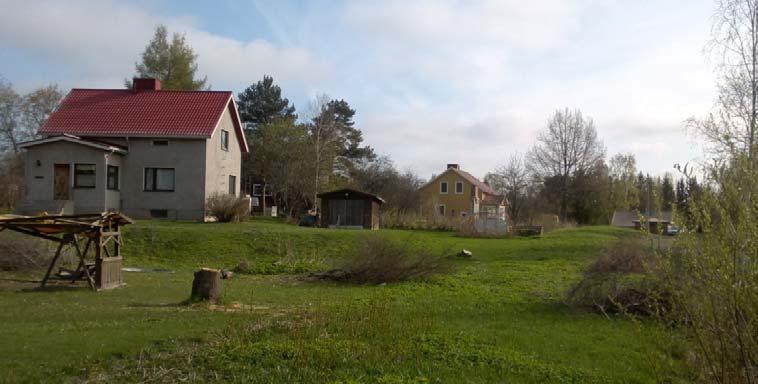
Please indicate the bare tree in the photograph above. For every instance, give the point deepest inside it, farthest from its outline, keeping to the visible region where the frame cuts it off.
(569, 144)
(732, 129)
(10, 113)
(511, 179)
(37, 107)
(323, 141)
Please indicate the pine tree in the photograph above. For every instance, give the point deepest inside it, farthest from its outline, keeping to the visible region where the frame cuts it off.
(173, 63)
(262, 103)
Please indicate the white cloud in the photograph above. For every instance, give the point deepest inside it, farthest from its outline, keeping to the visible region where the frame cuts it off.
(432, 81)
(103, 39)
(503, 67)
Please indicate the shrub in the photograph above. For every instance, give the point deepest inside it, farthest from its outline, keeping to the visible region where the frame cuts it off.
(227, 208)
(625, 279)
(378, 260)
(399, 219)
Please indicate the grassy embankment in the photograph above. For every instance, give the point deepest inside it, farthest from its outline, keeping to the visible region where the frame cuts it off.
(497, 318)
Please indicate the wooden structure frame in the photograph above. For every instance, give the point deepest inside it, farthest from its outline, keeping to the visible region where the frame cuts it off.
(97, 232)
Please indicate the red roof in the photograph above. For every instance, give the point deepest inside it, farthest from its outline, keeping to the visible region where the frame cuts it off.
(122, 112)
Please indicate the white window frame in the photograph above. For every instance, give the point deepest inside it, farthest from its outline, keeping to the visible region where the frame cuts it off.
(457, 183)
(144, 184)
(447, 188)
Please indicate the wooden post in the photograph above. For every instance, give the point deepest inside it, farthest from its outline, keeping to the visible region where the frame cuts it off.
(52, 264)
(207, 284)
(82, 259)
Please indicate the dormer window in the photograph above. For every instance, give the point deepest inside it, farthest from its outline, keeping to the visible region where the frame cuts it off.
(443, 187)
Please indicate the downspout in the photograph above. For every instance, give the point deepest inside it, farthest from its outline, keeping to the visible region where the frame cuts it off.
(105, 192)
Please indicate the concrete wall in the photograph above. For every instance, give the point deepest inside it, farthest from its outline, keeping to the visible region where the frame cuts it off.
(187, 157)
(39, 179)
(223, 163)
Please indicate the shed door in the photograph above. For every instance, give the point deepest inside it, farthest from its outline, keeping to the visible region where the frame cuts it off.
(354, 212)
(62, 182)
(346, 212)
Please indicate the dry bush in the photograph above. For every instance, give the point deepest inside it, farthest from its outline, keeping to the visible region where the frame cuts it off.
(20, 252)
(469, 228)
(625, 279)
(628, 256)
(398, 219)
(378, 260)
(227, 208)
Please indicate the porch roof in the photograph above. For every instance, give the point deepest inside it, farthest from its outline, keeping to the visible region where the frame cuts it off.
(104, 146)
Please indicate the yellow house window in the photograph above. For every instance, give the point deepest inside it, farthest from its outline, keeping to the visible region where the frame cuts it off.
(443, 187)
(441, 209)
(459, 187)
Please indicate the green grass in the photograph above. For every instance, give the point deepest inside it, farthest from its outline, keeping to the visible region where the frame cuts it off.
(497, 318)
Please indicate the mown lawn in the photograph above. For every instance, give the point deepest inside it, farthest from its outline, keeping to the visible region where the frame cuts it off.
(497, 318)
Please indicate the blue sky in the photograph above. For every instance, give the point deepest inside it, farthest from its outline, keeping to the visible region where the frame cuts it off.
(433, 82)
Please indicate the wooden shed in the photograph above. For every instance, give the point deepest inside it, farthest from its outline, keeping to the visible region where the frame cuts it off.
(348, 208)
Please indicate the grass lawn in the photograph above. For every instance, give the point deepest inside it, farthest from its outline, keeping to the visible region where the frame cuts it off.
(497, 318)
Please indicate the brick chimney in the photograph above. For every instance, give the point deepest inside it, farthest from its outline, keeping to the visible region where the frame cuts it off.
(455, 166)
(139, 85)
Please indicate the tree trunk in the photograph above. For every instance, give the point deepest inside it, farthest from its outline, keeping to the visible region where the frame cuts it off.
(207, 284)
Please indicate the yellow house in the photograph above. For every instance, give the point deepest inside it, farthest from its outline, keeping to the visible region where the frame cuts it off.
(456, 193)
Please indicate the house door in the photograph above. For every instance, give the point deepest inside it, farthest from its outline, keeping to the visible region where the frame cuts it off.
(62, 182)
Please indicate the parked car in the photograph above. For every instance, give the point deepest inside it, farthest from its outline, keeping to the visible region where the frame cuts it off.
(672, 230)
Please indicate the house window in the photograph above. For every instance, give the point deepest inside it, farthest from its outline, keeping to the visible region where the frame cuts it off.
(233, 185)
(84, 176)
(258, 189)
(113, 177)
(160, 143)
(159, 179)
(441, 209)
(225, 140)
(443, 187)
(458, 187)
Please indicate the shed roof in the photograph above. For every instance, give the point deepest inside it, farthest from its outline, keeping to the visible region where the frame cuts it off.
(628, 218)
(346, 193)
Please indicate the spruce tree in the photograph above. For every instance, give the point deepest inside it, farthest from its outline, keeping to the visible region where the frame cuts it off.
(173, 63)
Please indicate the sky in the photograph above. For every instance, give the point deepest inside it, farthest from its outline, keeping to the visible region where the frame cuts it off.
(433, 82)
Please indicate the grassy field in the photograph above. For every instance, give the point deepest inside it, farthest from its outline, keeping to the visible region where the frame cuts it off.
(497, 318)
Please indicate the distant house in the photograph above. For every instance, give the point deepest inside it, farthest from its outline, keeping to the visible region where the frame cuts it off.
(144, 151)
(656, 221)
(348, 208)
(457, 193)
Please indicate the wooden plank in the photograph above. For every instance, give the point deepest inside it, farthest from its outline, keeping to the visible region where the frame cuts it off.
(35, 234)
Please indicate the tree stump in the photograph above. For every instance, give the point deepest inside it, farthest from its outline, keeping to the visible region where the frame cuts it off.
(207, 284)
